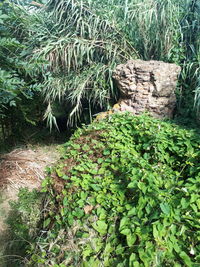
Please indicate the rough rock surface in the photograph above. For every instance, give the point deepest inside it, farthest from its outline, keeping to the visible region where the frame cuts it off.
(147, 86)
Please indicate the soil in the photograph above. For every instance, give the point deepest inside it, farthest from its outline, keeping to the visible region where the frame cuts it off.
(24, 167)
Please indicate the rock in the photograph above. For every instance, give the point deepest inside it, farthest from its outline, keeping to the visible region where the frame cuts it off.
(147, 86)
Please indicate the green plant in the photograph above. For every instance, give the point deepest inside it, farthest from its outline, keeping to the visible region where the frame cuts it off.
(125, 193)
(163, 30)
(18, 93)
(81, 49)
(68, 49)
(27, 210)
(22, 227)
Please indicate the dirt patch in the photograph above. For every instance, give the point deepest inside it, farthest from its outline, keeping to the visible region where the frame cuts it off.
(21, 168)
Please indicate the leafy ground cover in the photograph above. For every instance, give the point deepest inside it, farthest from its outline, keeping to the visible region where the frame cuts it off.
(125, 193)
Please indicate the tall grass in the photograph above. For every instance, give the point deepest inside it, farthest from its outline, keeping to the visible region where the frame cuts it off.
(165, 30)
(81, 49)
(75, 44)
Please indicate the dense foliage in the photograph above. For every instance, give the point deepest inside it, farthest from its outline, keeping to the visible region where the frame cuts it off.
(20, 101)
(59, 56)
(125, 193)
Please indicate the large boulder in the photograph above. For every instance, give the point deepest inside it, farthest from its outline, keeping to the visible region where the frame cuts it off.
(147, 86)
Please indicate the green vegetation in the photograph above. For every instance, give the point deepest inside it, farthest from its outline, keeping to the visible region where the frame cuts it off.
(22, 221)
(20, 100)
(125, 193)
(57, 60)
(126, 190)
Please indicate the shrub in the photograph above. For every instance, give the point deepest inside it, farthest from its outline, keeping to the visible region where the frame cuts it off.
(125, 193)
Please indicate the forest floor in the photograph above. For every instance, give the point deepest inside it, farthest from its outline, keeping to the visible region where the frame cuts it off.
(23, 167)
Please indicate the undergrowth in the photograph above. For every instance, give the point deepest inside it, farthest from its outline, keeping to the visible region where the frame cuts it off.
(23, 221)
(125, 193)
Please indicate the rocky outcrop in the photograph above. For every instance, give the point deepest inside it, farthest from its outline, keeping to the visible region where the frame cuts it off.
(147, 86)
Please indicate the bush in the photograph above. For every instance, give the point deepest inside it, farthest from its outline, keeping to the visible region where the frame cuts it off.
(125, 193)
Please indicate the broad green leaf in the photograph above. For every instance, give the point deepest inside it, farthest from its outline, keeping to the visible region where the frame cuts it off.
(106, 152)
(100, 160)
(184, 203)
(132, 212)
(186, 259)
(100, 226)
(165, 208)
(132, 259)
(124, 222)
(131, 238)
(132, 185)
(125, 232)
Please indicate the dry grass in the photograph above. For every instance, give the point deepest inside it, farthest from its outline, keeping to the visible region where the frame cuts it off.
(25, 167)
